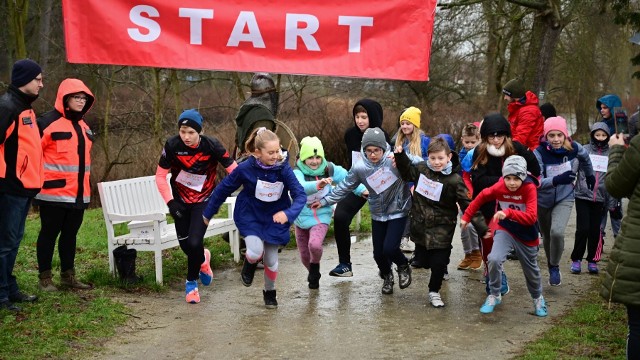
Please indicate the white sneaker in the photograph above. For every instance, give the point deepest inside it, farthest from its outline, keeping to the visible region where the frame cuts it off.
(435, 299)
(407, 245)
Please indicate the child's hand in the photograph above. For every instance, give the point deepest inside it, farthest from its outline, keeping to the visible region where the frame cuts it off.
(365, 194)
(323, 182)
(315, 205)
(206, 221)
(280, 217)
(398, 149)
(463, 224)
(500, 215)
(487, 235)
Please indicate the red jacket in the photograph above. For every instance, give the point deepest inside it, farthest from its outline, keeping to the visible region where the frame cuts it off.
(66, 146)
(520, 206)
(527, 122)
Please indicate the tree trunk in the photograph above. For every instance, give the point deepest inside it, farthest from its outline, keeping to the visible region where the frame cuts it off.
(18, 13)
(45, 30)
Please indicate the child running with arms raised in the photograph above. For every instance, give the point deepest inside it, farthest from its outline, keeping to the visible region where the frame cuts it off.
(434, 212)
(515, 228)
(263, 211)
(316, 175)
(389, 202)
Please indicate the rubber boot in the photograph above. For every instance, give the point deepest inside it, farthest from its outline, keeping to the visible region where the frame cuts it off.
(45, 282)
(68, 279)
(314, 276)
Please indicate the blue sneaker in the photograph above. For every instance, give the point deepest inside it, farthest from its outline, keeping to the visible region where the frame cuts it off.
(576, 267)
(555, 278)
(504, 288)
(592, 267)
(206, 274)
(191, 290)
(540, 306)
(490, 303)
(342, 270)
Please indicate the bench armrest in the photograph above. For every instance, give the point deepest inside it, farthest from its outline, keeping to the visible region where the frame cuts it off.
(141, 217)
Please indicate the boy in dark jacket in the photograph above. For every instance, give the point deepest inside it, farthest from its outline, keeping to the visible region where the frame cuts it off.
(515, 228)
(434, 212)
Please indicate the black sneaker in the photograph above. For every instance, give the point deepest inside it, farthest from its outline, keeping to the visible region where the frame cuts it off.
(387, 286)
(22, 297)
(9, 306)
(247, 273)
(404, 276)
(270, 301)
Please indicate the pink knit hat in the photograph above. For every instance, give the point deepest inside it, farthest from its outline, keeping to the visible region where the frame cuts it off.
(557, 123)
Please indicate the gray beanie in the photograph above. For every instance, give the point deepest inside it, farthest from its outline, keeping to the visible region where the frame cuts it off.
(374, 137)
(515, 165)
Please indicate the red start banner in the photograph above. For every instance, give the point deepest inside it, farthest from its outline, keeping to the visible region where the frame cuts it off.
(385, 39)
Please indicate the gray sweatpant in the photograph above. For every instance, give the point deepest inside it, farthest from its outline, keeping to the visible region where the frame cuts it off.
(503, 243)
(553, 222)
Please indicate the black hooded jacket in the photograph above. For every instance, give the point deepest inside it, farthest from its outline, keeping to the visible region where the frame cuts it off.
(353, 135)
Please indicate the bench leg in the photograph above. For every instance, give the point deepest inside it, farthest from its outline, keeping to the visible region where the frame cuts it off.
(112, 261)
(158, 262)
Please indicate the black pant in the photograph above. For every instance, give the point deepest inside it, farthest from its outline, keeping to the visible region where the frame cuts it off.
(588, 217)
(633, 339)
(54, 221)
(438, 259)
(346, 210)
(190, 229)
(386, 236)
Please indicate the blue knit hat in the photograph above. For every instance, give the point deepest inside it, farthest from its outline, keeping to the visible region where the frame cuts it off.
(192, 119)
(24, 71)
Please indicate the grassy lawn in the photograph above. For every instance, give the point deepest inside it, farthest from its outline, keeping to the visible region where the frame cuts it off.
(71, 324)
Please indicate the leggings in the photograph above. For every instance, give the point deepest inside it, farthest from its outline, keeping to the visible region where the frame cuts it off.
(346, 210)
(54, 221)
(588, 216)
(190, 229)
(310, 243)
(553, 222)
(257, 249)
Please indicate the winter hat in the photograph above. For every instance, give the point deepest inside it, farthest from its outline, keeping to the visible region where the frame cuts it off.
(24, 71)
(514, 88)
(515, 165)
(495, 124)
(311, 146)
(192, 119)
(548, 110)
(374, 137)
(412, 115)
(557, 123)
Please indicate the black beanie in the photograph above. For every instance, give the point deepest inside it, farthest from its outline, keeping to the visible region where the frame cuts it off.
(24, 71)
(514, 88)
(495, 124)
(548, 110)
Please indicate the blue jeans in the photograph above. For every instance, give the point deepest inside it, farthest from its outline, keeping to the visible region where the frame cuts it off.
(13, 214)
(386, 237)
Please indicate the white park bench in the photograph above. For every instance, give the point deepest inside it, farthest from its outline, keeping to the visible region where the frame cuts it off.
(138, 202)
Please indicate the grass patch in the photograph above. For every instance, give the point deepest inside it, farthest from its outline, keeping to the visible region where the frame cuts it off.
(589, 331)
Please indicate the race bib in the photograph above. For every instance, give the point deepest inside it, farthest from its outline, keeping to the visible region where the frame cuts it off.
(428, 188)
(599, 162)
(510, 205)
(355, 157)
(553, 170)
(192, 181)
(319, 195)
(269, 192)
(381, 180)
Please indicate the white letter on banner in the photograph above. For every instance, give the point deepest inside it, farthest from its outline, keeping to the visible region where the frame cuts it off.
(247, 18)
(306, 34)
(195, 22)
(135, 15)
(355, 24)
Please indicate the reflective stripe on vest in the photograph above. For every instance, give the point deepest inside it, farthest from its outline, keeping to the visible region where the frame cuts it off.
(62, 199)
(66, 168)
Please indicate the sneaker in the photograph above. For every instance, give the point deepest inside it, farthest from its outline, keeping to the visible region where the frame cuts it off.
(342, 270)
(576, 267)
(206, 274)
(406, 245)
(540, 306)
(404, 276)
(555, 278)
(592, 268)
(270, 301)
(191, 289)
(490, 303)
(387, 286)
(504, 287)
(435, 299)
(20, 297)
(9, 306)
(512, 255)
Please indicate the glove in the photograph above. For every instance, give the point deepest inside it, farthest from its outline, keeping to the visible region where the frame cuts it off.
(176, 209)
(591, 182)
(565, 178)
(616, 213)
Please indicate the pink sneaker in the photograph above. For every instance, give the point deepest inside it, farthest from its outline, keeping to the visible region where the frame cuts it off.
(191, 289)
(206, 274)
